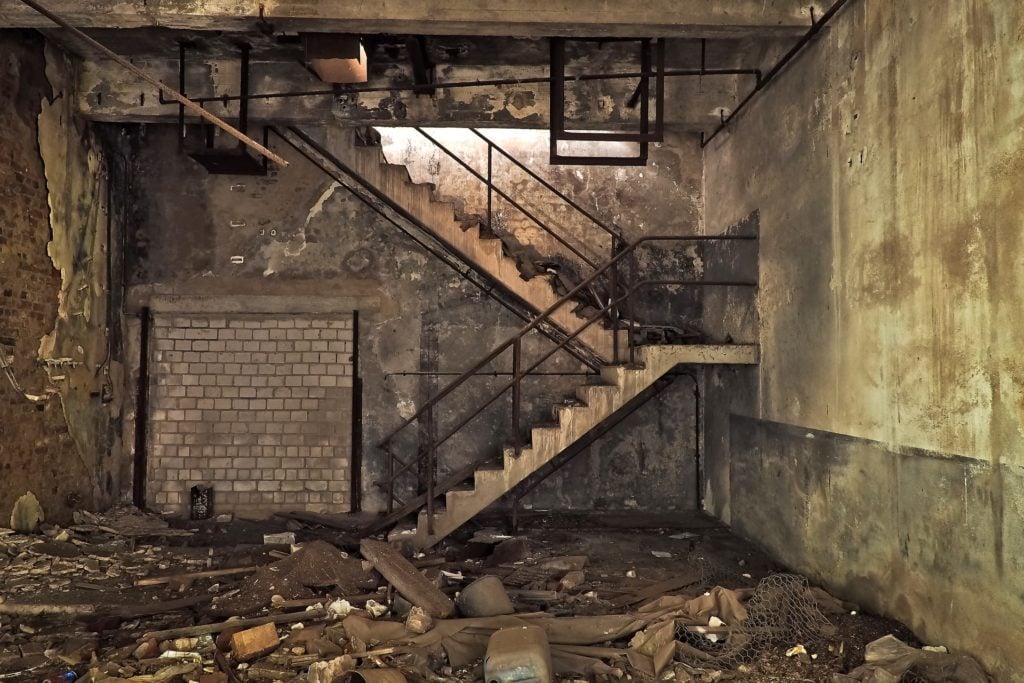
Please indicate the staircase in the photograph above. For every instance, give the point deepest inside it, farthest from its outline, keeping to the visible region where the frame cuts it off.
(484, 251)
(599, 402)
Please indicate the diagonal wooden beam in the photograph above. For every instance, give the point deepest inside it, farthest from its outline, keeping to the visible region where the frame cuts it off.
(171, 92)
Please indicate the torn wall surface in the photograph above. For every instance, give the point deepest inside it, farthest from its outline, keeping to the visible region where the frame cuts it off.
(56, 320)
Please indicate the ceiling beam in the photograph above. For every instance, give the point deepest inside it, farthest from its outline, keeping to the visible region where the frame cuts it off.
(583, 18)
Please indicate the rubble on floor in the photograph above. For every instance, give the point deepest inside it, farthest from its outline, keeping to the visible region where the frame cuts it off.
(127, 597)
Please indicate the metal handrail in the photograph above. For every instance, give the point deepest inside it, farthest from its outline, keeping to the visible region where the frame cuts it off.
(514, 383)
(488, 182)
(514, 342)
(614, 232)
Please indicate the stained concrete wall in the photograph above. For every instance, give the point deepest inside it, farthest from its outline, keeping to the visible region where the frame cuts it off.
(878, 447)
(54, 291)
(303, 238)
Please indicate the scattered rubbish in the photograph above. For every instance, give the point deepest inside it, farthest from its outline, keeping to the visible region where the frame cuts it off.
(27, 514)
(571, 580)
(485, 597)
(339, 608)
(255, 642)
(661, 554)
(376, 609)
(684, 536)
(518, 654)
(936, 648)
(890, 659)
(230, 614)
(375, 676)
(418, 621)
(280, 538)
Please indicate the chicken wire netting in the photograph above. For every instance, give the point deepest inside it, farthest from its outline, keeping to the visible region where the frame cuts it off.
(782, 611)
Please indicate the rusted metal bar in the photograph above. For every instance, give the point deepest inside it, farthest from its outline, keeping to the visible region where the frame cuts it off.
(517, 349)
(431, 457)
(566, 298)
(445, 255)
(171, 92)
(488, 82)
(483, 406)
(504, 195)
(762, 82)
(490, 186)
(548, 186)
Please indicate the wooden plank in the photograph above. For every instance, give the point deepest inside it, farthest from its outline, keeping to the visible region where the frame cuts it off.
(407, 580)
(656, 590)
(191, 576)
(204, 629)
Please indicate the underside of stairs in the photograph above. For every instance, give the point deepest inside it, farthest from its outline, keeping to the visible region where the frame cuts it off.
(598, 402)
(480, 248)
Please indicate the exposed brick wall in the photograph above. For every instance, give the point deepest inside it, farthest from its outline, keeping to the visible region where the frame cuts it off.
(37, 452)
(258, 406)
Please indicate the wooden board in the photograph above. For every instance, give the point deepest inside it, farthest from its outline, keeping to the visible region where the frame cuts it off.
(407, 580)
(656, 590)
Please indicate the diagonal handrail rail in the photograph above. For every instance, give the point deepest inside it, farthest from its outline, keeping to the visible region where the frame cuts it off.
(544, 315)
(519, 375)
(491, 187)
(613, 231)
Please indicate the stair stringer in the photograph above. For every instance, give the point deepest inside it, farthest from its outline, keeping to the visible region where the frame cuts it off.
(623, 384)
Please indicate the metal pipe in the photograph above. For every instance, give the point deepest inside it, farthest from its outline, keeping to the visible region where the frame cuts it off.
(191, 105)
(517, 348)
(479, 83)
(141, 414)
(434, 373)
(243, 87)
(762, 82)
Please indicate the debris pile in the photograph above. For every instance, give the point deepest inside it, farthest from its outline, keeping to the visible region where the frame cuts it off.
(98, 603)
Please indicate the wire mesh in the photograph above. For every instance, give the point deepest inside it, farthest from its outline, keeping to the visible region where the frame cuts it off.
(782, 611)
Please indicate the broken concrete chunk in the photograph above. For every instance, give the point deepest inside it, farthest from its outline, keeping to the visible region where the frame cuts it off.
(27, 514)
(253, 643)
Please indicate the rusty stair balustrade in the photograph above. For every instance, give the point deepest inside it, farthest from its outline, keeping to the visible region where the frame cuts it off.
(616, 241)
(426, 478)
(384, 206)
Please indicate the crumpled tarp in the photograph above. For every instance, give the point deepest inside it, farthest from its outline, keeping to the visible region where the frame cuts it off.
(888, 659)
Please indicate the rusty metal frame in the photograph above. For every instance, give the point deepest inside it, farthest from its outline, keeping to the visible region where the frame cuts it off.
(159, 85)
(519, 373)
(560, 133)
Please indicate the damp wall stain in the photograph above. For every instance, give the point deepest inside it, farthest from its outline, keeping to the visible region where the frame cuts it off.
(890, 309)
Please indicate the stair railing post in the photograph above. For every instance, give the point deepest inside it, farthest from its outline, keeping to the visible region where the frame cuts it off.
(630, 342)
(517, 346)
(391, 478)
(613, 296)
(431, 453)
(490, 185)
